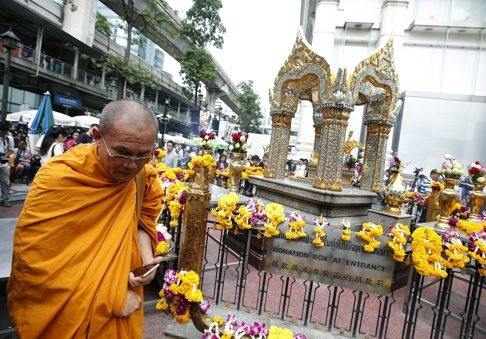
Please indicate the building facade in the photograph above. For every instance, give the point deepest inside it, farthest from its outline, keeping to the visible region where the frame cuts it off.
(441, 62)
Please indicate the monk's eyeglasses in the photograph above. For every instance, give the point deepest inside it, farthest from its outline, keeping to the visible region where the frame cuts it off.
(126, 158)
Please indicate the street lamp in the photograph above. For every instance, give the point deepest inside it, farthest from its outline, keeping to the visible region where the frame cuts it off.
(164, 119)
(9, 41)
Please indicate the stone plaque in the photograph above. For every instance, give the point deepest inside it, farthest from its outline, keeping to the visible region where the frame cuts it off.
(338, 263)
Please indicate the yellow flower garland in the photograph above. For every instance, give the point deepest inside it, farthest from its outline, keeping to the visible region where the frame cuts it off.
(368, 233)
(224, 212)
(399, 233)
(426, 252)
(470, 227)
(275, 216)
(479, 254)
(161, 248)
(346, 233)
(296, 224)
(319, 231)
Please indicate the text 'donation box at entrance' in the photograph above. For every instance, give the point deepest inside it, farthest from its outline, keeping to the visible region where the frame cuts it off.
(339, 263)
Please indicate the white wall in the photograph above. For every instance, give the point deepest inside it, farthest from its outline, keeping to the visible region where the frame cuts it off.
(434, 125)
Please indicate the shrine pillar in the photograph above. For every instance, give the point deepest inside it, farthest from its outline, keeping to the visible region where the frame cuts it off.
(334, 124)
(377, 133)
(279, 142)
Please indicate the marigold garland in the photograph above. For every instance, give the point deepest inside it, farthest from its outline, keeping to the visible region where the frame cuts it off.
(275, 216)
(319, 231)
(224, 211)
(179, 290)
(296, 224)
(205, 161)
(426, 252)
(368, 233)
(398, 234)
(455, 251)
(346, 233)
(477, 250)
(468, 226)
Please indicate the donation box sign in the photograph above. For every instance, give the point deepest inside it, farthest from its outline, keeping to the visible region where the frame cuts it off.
(339, 263)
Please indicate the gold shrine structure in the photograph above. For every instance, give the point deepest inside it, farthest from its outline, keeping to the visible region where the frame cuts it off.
(305, 75)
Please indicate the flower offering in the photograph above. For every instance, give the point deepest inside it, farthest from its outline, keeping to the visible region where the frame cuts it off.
(296, 224)
(477, 250)
(239, 142)
(275, 216)
(451, 169)
(427, 253)
(319, 233)
(346, 233)
(206, 140)
(477, 172)
(398, 234)
(455, 251)
(180, 289)
(395, 165)
(369, 232)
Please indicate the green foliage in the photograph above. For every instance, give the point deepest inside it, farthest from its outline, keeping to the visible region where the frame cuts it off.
(102, 24)
(202, 25)
(196, 66)
(249, 115)
(126, 68)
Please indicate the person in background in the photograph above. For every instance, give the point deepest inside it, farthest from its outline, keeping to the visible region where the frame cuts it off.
(22, 162)
(88, 222)
(263, 163)
(466, 186)
(248, 188)
(6, 150)
(87, 137)
(423, 184)
(300, 168)
(52, 144)
(72, 141)
(171, 158)
(222, 163)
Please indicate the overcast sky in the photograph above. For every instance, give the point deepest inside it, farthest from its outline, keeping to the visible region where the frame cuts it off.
(259, 37)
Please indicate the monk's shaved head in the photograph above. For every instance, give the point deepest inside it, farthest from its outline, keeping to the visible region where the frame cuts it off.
(127, 113)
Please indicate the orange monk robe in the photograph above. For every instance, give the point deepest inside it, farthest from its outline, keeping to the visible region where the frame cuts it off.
(74, 246)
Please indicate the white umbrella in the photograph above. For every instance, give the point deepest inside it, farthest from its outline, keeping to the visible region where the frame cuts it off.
(27, 116)
(86, 120)
(178, 139)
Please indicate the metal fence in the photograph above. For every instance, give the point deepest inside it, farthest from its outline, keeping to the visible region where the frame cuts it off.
(417, 307)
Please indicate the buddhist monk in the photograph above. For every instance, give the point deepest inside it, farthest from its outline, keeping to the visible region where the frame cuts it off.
(88, 221)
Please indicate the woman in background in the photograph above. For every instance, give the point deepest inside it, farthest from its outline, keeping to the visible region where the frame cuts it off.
(72, 140)
(53, 143)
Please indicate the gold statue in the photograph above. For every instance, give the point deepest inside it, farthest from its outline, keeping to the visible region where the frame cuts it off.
(351, 144)
(314, 159)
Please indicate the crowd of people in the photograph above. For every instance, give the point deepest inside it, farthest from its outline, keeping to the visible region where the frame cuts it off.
(22, 163)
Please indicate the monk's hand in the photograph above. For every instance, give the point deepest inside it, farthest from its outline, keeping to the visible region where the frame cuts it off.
(146, 278)
(132, 303)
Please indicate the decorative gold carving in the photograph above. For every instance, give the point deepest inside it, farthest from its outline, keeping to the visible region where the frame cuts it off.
(305, 73)
(379, 70)
(351, 144)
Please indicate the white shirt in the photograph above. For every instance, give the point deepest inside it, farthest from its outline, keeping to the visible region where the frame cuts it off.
(55, 149)
(6, 144)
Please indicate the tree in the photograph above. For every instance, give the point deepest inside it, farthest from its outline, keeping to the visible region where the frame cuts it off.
(202, 26)
(102, 24)
(249, 115)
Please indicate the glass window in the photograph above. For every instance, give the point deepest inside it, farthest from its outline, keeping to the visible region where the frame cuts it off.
(468, 10)
(159, 59)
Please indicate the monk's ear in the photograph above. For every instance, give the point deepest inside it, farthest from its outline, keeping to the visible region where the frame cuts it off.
(96, 133)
